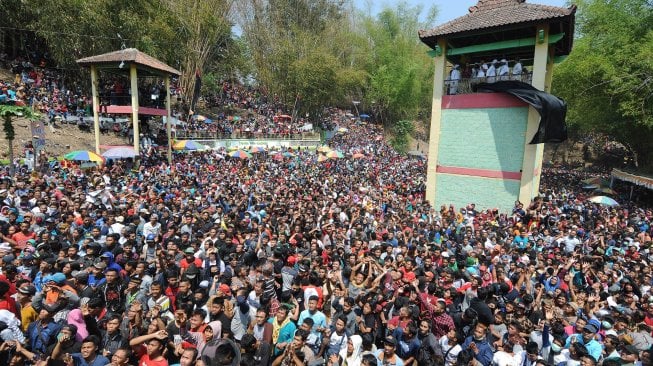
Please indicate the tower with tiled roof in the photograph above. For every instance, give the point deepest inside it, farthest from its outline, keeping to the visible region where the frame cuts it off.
(479, 148)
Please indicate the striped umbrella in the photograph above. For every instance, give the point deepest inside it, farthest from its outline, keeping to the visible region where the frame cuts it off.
(188, 145)
(83, 155)
(256, 149)
(240, 154)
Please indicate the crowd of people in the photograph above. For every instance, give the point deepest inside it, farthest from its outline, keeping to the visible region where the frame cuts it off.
(295, 261)
(261, 116)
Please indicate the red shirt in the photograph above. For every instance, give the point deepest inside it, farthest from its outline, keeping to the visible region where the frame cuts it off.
(21, 239)
(145, 361)
(184, 263)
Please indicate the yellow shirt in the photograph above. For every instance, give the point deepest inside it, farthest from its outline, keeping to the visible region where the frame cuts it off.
(27, 316)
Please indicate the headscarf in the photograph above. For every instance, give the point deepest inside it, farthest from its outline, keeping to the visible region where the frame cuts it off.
(216, 327)
(76, 318)
(355, 358)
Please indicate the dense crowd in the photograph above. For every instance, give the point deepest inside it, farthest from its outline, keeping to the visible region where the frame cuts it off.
(291, 261)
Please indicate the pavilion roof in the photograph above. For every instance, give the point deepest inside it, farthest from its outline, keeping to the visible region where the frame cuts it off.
(127, 56)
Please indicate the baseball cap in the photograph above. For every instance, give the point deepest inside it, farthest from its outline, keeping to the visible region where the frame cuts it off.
(590, 328)
(225, 289)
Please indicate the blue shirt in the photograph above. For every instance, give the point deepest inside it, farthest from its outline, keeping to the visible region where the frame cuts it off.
(41, 337)
(485, 354)
(594, 348)
(99, 360)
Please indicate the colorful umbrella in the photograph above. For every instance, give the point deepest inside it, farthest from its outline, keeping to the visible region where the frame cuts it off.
(277, 156)
(188, 145)
(240, 154)
(324, 149)
(83, 155)
(358, 156)
(288, 154)
(256, 149)
(322, 158)
(604, 200)
(121, 152)
(208, 120)
(200, 118)
(335, 154)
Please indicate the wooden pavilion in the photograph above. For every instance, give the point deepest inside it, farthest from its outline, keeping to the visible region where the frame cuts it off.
(134, 64)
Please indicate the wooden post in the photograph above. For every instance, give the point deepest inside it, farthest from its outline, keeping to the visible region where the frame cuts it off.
(133, 77)
(96, 107)
(439, 77)
(168, 121)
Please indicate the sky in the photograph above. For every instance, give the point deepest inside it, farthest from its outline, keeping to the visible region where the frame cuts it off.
(447, 9)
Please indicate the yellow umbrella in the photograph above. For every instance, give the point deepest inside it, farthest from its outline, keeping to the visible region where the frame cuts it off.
(324, 149)
(321, 158)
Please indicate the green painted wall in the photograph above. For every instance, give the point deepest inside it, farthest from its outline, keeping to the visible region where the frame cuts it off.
(489, 138)
(481, 138)
(484, 192)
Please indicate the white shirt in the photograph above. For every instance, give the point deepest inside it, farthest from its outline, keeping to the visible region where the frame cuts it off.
(506, 359)
(453, 351)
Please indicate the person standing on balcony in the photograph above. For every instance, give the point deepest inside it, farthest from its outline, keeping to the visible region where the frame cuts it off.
(454, 79)
(517, 70)
(492, 72)
(482, 70)
(504, 71)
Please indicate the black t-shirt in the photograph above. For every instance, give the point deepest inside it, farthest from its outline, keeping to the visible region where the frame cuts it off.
(74, 347)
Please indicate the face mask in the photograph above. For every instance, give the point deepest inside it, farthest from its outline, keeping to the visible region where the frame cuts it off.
(555, 348)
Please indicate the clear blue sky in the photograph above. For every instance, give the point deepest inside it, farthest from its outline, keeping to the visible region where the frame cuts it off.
(447, 9)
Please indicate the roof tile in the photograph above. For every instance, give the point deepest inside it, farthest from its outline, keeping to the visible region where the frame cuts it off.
(494, 13)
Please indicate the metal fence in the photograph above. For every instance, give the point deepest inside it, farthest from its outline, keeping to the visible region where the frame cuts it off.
(213, 135)
(466, 86)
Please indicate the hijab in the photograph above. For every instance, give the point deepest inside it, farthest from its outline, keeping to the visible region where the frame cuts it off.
(355, 358)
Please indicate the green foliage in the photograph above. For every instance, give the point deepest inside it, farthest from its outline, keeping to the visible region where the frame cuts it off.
(402, 130)
(400, 72)
(608, 78)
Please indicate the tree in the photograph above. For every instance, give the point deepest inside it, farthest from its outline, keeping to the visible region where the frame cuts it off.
(8, 112)
(607, 80)
(296, 49)
(205, 29)
(400, 72)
